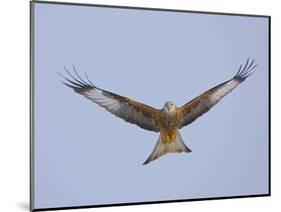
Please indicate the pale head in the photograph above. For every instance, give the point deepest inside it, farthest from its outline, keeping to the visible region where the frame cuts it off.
(169, 107)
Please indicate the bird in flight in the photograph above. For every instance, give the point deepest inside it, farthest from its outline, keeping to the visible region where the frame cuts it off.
(168, 120)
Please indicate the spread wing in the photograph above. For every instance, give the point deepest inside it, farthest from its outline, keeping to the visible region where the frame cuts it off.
(203, 103)
(127, 109)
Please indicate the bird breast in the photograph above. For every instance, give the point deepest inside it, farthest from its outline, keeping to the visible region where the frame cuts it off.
(168, 121)
(168, 124)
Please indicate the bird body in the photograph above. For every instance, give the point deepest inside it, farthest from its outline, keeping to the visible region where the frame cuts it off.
(168, 123)
(168, 120)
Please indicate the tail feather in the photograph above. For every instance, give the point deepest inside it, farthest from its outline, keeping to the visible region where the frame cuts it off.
(162, 148)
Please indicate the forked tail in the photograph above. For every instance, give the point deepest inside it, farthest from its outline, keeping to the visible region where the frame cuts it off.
(162, 148)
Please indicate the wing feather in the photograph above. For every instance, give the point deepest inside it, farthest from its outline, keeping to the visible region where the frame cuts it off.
(127, 109)
(203, 103)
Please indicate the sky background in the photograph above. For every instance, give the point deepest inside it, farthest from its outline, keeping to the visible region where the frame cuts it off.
(86, 156)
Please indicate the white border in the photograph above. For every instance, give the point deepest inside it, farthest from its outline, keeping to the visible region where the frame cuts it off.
(14, 113)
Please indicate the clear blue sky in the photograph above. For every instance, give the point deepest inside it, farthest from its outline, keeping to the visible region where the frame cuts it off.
(86, 156)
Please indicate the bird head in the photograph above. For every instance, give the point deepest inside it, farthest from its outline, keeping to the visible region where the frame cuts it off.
(169, 107)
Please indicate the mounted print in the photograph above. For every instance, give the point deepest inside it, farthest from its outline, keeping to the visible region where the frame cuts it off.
(140, 105)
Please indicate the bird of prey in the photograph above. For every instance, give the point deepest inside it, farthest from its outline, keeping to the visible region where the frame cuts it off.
(168, 120)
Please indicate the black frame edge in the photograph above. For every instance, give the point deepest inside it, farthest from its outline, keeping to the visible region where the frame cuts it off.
(269, 105)
(147, 8)
(150, 203)
(31, 105)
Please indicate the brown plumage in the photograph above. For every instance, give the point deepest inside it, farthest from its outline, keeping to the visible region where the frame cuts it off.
(167, 120)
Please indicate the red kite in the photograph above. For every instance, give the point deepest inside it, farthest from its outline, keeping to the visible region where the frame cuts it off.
(168, 120)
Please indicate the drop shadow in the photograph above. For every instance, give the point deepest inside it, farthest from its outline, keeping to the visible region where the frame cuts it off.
(23, 205)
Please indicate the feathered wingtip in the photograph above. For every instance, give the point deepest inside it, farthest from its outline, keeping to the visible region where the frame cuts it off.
(76, 82)
(246, 71)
